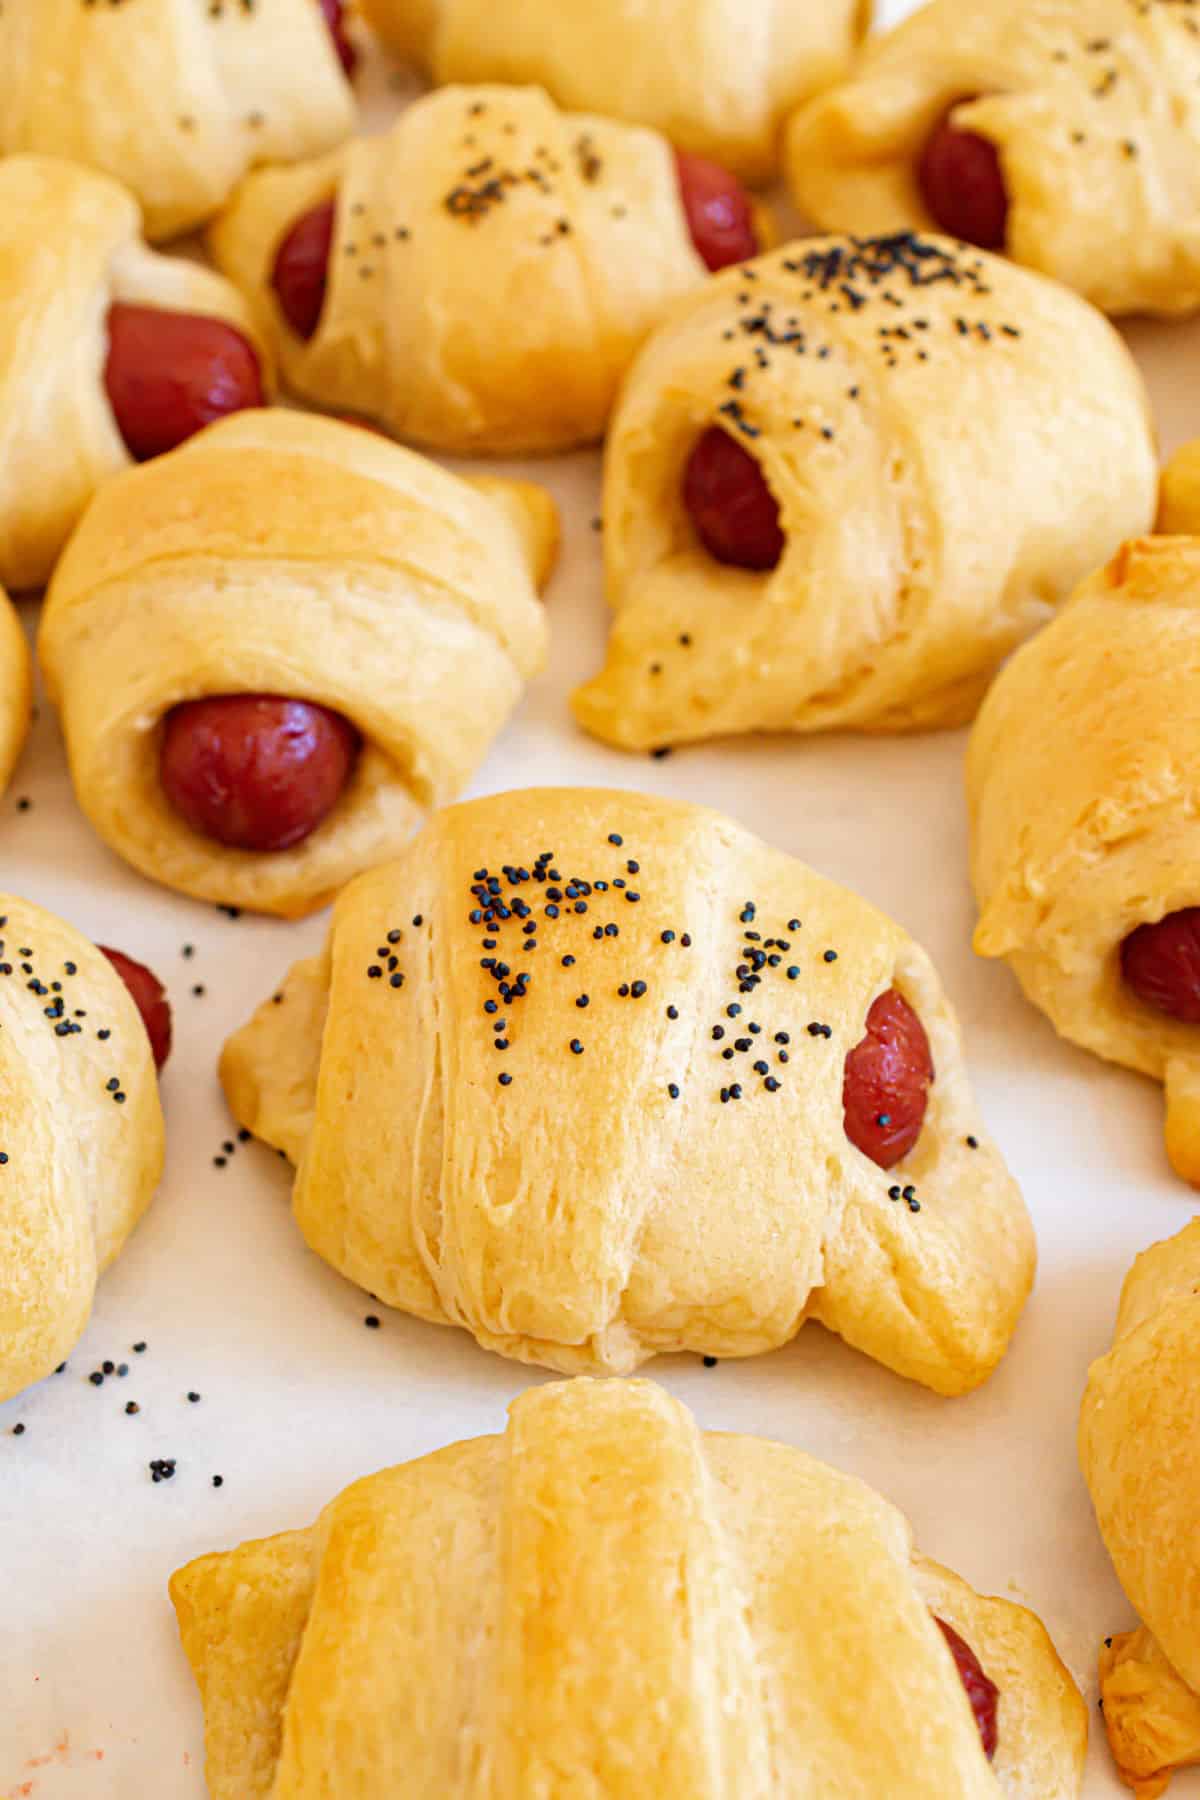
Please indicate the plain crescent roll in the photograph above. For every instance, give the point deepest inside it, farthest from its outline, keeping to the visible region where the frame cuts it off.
(606, 1601)
(571, 1074)
(16, 688)
(71, 247)
(1087, 107)
(950, 443)
(285, 554)
(716, 76)
(81, 1134)
(1082, 790)
(175, 101)
(1139, 1446)
(495, 263)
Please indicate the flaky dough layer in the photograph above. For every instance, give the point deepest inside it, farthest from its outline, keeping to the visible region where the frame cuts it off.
(1091, 106)
(285, 554)
(177, 102)
(80, 1164)
(1139, 1446)
(71, 245)
(16, 688)
(1082, 791)
(606, 1601)
(603, 1167)
(496, 263)
(952, 442)
(715, 76)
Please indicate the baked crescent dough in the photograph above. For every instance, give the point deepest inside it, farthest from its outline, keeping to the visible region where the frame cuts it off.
(70, 245)
(81, 1160)
(952, 444)
(611, 1603)
(175, 101)
(1091, 106)
(716, 76)
(16, 688)
(1139, 1445)
(586, 1208)
(284, 554)
(1082, 788)
(495, 264)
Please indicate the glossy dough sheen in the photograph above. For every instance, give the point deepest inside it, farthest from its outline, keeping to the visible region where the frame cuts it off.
(1139, 1445)
(716, 76)
(1092, 106)
(175, 100)
(16, 688)
(468, 310)
(282, 554)
(1082, 782)
(920, 547)
(614, 1604)
(581, 1217)
(81, 1167)
(70, 246)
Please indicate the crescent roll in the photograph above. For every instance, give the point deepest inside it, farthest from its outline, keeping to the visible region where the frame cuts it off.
(16, 688)
(282, 554)
(70, 249)
(1139, 1445)
(606, 1057)
(1085, 850)
(177, 102)
(494, 264)
(618, 1604)
(81, 1134)
(716, 76)
(1082, 111)
(935, 445)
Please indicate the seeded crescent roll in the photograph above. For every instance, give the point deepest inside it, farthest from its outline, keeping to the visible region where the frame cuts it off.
(281, 553)
(1139, 1445)
(951, 442)
(81, 1134)
(1082, 792)
(1090, 105)
(569, 1074)
(177, 102)
(495, 264)
(606, 1601)
(716, 76)
(16, 688)
(71, 246)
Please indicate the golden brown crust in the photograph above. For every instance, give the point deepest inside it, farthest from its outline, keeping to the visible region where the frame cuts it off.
(176, 102)
(657, 1221)
(1090, 106)
(1082, 788)
(1139, 1447)
(285, 554)
(80, 1167)
(715, 76)
(576, 222)
(604, 1598)
(881, 389)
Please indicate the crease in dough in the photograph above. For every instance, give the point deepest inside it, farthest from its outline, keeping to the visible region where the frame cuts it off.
(560, 1175)
(609, 1601)
(16, 688)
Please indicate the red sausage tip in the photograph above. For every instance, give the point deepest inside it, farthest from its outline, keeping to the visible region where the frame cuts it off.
(302, 268)
(733, 511)
(168, 374)
(718, 209)
(981, 1691)
(150, 998)
(885, 1088)
(1161, 964)
(962, 184)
